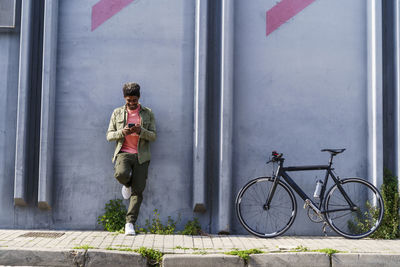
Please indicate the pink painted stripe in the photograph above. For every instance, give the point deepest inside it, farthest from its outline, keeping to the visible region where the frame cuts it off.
(105, 9)
(283, 11)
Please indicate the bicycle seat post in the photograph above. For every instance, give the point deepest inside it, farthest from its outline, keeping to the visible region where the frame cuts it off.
(331, 160)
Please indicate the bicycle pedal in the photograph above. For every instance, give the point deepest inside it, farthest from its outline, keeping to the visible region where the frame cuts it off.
(306, 203)
(324, 229)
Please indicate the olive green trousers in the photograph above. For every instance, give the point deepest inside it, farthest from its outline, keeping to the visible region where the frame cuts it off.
(130, 173)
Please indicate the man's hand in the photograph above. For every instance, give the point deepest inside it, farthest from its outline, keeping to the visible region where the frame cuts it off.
(134, 129)
(127, 130)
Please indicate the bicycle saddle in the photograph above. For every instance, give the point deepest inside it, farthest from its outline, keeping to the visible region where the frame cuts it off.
(334, 151)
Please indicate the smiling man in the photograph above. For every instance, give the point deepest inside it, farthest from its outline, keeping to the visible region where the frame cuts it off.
(132, 126)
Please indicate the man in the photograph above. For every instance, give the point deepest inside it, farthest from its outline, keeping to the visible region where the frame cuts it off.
(132, 126)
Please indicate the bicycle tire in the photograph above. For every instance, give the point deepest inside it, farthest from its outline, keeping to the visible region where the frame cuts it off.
(359, 223)
(261, 222)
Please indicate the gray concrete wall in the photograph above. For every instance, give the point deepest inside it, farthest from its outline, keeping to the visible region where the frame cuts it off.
(9, 54)
(298, 90)
(150, 42)
(389, 84)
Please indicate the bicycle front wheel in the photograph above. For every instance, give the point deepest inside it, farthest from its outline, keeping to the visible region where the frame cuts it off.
(260, 220)
(360, 221)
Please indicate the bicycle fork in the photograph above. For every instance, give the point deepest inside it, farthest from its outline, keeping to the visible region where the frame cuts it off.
(272, 190)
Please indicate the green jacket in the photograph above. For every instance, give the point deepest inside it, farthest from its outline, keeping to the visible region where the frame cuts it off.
(148, 132)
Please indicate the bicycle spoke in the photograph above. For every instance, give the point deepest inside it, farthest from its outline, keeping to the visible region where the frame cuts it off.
(269, 222)
(341, 216)
(359, 222)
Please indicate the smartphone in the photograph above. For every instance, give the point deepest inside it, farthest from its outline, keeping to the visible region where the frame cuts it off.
(130, 125)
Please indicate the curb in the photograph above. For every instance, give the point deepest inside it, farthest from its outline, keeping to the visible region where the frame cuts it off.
(289, 259)
(209, 260)
(298, 259)
(40, 257)
(99, 257)
(365, 259)
(113, 258)
(69, 257)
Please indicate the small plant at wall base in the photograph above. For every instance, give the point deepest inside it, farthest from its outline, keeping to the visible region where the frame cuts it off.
(192, 228)
(363, 221)
(389, 228)
(156, 226)
(244, 254)
(153, 256)
(114, 217)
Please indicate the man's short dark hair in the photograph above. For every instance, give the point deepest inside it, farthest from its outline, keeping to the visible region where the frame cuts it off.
(131, 89)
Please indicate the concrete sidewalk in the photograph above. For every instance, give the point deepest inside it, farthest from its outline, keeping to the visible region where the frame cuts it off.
(99, 248)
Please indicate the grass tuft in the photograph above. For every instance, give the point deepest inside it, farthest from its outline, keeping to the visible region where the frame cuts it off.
(85, 247)
(244, 254)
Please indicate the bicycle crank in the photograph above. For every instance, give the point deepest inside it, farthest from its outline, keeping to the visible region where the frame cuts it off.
(308, 204)
(313, 216)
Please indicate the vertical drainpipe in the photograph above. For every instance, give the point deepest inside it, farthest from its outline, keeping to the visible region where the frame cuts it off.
(46, 154)
(226, 105)
(374, 85)
(200, 79)
(24, 83)
(397, 89)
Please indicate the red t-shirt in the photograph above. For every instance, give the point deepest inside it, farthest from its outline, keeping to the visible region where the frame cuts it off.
(130, 144)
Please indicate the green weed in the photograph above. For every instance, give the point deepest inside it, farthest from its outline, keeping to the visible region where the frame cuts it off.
(202, 252)
(192, 228)
(301, 249)
(389, 228)
(328, 251)
(85, 247)
(153, 256)
(114, 217)
(244, 254)
(155, 226)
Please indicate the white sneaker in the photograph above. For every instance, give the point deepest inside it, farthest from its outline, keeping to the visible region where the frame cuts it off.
(126, 192)
(129, 229)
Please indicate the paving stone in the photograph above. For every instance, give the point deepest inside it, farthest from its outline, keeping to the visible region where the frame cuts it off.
(158, 241)
(207, 242)
(168, 241)
(148, 241)
(187, 241)
(197, 242)
(178, 241)
(210, 244)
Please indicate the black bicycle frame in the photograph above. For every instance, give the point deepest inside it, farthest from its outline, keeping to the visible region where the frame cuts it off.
(282, 172)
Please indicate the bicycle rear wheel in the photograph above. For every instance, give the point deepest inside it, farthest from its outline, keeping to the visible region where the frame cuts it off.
(357, 223)
(259, 220)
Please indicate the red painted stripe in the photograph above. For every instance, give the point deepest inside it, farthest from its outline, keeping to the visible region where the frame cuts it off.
(105, 9)
(283, 11)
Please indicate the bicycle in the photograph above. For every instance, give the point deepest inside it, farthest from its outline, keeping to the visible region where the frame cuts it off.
(267, 207)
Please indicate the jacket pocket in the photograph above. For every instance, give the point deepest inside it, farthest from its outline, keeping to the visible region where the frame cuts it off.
(120, 123)
(145, 121)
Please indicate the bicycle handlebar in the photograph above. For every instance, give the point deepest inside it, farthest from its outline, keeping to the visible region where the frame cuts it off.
(276, 157)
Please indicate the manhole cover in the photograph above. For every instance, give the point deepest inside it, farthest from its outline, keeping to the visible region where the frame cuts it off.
(42, 234)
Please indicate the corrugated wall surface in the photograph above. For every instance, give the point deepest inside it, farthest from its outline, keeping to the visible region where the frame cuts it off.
(298, 90)
(301, 88)
(150, 42)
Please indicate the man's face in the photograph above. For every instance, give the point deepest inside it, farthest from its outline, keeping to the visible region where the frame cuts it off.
(132, 102)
